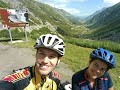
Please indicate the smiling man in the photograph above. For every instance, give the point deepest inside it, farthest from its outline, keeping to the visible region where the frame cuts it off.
(49, 50)
(95, 76)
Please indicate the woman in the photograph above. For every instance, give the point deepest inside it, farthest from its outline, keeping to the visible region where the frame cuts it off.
(95, 76)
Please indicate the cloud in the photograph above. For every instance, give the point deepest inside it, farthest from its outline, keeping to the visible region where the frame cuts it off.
(111, 2)
(63, 4)
(72, 11)
(60, 1)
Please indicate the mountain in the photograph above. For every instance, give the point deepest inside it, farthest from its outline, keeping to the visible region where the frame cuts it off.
(43, 15)
(92, 15)
(107, 16)
(106, 24)
(110, 31)
(39, 12)
(44, 12)
(71, 18)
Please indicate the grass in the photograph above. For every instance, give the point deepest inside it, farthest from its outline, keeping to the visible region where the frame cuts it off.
(77, 56)
(115, 47)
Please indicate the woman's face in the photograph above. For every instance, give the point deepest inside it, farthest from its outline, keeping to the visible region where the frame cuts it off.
(96, 68)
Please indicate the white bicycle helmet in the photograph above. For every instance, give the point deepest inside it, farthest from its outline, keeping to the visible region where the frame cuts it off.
(52, 42)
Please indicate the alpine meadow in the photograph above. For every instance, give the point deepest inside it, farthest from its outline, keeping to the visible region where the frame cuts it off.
(81, 36)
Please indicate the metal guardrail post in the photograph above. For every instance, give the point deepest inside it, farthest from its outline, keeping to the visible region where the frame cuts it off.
(10, 34)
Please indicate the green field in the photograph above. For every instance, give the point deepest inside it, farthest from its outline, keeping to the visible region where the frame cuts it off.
(77, 52)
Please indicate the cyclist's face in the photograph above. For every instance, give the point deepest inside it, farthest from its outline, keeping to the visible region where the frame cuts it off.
(46, 60)
(97, 68)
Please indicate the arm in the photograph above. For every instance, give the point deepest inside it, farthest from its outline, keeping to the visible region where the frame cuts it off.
(74, 85)
(4, 85)
(75, 81)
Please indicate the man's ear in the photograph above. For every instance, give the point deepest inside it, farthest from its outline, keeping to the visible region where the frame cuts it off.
(58, 61)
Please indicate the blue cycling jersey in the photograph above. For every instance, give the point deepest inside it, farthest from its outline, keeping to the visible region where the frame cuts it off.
(80, 82)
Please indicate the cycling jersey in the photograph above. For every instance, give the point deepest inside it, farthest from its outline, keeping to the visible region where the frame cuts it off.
(80, 82)
(28, 79)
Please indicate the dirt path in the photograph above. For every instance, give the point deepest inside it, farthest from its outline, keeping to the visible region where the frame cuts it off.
(15, 58)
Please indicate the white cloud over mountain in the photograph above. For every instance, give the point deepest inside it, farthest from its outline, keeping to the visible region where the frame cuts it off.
(111, 2)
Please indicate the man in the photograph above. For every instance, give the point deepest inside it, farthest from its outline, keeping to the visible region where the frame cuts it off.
(95, 76)
(49, 50)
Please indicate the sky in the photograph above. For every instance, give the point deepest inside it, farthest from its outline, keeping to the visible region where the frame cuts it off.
(80, 7)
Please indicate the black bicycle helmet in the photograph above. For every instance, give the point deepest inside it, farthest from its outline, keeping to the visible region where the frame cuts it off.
(105, 56)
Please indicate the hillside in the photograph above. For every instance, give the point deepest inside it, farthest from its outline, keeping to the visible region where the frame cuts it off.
(105, 25)
(86, 20)
(73, 19)
(108, 15)
(40, 12)
(43, 15)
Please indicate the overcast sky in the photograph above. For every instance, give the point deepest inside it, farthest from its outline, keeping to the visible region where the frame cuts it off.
(80, 7)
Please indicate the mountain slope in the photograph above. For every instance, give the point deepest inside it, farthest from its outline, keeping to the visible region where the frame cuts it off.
(43, 15)
(109, 32)
(91, 16)
(108, 15)
(105, 25)
(39, 12)
(70, 17)
(44, 12)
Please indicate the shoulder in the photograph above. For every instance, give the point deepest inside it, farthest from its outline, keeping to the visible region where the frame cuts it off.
(78, 75)
(55, 76)
(78, 80)
(17, 75)
(4, 85)
(106, 80)
(106, 75)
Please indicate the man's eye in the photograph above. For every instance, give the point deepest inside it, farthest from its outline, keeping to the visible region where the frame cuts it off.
(40, 53)
(52, 56)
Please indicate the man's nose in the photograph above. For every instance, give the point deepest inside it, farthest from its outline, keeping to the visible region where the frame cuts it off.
(46, 59)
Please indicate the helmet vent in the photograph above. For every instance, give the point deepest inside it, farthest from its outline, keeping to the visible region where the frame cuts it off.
(49, 39)
(93, 52)
(56, 40)
(43, 38)
(105, 54)
(61, 49)
(61, 43)
(99, 53)
(110, 57)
